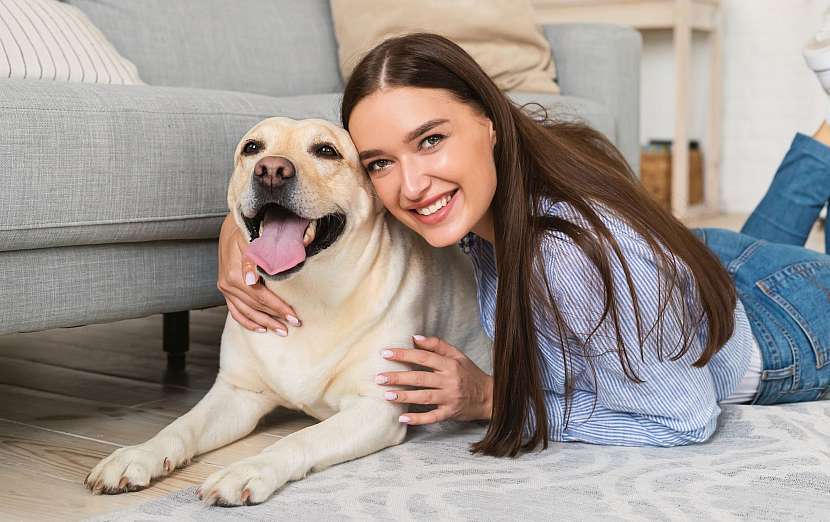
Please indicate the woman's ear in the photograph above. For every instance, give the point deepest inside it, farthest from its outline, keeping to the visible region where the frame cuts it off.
(492, 132)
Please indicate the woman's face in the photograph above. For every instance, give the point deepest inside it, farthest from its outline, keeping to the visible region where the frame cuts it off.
(430, 159)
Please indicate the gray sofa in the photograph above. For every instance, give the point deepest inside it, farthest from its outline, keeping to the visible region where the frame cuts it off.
(112, 196)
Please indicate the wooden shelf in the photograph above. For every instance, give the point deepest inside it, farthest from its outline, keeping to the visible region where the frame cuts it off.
(682, 17)
(645, 14)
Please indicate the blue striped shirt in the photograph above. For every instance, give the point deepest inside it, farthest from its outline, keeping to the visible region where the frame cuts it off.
(676, 403)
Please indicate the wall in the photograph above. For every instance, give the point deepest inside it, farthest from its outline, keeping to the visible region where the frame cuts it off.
(768, 92)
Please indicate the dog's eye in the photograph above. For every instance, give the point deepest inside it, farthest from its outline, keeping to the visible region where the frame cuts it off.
(251, 147)
(326, 151)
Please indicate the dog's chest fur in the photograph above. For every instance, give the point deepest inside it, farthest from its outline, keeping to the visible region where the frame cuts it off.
(300, 370)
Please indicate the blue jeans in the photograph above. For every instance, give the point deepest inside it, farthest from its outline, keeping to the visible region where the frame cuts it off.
(784, 287)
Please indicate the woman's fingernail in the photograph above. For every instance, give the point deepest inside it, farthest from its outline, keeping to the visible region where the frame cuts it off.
(386, 353)
(418, 337)
(390, 396)
(403, 418)
(250, 278)
(381, 379)
(281, 333)
(293, 320)
(260, 329)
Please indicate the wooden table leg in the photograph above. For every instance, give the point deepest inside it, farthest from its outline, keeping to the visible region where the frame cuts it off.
(711, 153)
(680, 144)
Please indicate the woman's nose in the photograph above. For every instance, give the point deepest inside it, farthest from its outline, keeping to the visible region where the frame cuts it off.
(415, 182)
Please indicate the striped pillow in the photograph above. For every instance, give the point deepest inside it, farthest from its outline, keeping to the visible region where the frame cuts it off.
(49, 40)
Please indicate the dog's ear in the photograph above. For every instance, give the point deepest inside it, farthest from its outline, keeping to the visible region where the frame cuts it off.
(377, 204)
(236, 184)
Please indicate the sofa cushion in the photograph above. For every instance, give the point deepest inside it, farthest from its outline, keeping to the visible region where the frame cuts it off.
(569, 108)
(49, 40)
(85, 284)
(272, 47)
(86, 164)
(501, 35)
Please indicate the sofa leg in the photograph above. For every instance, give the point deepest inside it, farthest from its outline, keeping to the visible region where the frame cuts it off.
(176, 339)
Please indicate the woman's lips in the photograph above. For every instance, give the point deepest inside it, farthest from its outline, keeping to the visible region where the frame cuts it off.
(438, 216)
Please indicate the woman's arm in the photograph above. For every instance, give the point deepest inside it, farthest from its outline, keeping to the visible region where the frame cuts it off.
(675, 404)
(654, 413)
(250, 302)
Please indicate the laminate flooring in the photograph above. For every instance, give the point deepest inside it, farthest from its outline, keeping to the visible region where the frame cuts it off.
(71, 396)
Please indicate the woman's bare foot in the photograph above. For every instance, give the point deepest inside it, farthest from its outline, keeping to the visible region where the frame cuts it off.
(817, 53)
(822, 135)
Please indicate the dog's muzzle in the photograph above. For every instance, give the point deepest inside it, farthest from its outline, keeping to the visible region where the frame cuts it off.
(281, 236)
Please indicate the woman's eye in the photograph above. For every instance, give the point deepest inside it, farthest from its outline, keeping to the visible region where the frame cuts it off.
(431, 140)
(377, 165)
(251, 147)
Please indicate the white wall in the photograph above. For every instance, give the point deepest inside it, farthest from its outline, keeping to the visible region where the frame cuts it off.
(768, 92)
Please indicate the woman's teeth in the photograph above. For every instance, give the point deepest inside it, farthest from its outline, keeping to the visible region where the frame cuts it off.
(435, 207)
(308, 237)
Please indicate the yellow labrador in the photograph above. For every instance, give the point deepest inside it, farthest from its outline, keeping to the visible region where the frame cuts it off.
(360, 280)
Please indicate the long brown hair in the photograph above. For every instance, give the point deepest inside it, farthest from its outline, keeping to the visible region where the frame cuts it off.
(558, 161)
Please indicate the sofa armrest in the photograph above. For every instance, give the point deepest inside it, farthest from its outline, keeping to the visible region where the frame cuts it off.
(601, 62)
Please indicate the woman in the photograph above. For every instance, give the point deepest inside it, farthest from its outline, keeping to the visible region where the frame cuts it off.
(612, 323)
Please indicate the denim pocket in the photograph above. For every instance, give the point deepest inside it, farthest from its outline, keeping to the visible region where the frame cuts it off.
(802, 290)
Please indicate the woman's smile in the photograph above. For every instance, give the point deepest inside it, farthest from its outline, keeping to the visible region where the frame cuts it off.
(435, 209)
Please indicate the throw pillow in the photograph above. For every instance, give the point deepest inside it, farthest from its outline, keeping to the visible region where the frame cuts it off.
(501, 35)
(49, 40)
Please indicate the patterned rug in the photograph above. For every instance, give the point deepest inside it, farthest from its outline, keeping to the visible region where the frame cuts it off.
(764, 463)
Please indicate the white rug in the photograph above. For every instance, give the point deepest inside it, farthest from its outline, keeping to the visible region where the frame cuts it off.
(764, 463)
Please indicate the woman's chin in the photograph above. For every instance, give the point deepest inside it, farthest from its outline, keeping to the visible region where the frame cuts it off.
(441, 238)
(442, 235)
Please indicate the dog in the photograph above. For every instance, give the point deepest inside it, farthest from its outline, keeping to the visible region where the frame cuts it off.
(362, 282)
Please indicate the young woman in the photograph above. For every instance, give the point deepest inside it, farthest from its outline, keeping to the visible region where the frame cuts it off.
(612, 323)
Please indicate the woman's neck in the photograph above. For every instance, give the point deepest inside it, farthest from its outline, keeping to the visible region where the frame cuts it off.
(485, 229)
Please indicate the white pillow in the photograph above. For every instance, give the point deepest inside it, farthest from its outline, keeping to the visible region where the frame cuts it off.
(49, 40)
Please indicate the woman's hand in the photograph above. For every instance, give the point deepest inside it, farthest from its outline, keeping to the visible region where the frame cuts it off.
(250, 302)
(459, 388)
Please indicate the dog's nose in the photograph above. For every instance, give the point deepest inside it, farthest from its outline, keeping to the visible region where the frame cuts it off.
(272, 171)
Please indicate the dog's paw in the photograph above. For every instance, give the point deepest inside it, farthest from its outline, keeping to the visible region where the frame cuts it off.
(127, 469)
(244, 483)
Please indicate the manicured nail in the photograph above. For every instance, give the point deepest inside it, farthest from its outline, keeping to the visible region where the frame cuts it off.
(403, 418)
(418, 337)
(281, 333)
(250, 279)
(293, 320)
(390, 396)
(386, 353)
(381, 379)
(260, 329)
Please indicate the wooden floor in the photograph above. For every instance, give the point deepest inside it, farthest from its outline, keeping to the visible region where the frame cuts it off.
(70, 396)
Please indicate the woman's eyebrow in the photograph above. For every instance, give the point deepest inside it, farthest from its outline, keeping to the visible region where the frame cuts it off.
(423, 128)
(409, 137)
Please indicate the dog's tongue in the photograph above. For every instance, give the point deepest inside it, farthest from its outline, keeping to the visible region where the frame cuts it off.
(280, 246)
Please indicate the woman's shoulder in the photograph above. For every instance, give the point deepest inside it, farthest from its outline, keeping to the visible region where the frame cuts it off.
(625, 235)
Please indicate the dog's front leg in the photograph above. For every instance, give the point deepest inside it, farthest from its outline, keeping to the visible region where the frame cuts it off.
(363, 426)
(226, 413)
